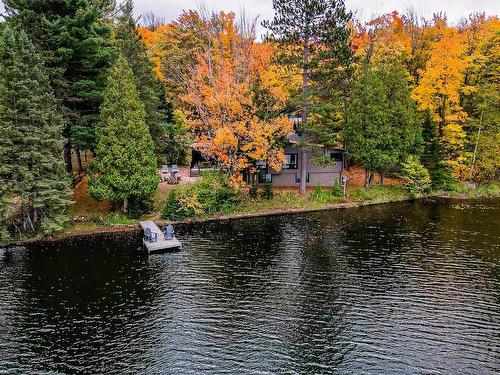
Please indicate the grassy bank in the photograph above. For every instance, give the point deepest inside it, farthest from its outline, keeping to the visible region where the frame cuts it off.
(318, 198)
(282, 201)
(99, 218)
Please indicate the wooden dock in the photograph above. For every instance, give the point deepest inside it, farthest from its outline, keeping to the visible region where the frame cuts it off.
(159, 243)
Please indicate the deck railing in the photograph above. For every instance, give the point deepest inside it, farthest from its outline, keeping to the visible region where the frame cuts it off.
(78, 177)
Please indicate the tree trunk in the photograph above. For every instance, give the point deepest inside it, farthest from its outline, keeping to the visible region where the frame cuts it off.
(67, 156)
(382, 176)
(476, 145)
(305, 79)
(125, 205)
(368, 179)
(25, 217)
(79, 160)
(303, 171)
(35, 216)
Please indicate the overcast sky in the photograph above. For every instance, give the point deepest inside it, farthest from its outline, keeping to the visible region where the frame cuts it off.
(455, 9)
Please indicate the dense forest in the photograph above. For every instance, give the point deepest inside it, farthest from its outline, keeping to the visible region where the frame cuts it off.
(136, 92)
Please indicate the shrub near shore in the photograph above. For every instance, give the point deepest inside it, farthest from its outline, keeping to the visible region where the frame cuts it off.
(212, 194)
(282, 201)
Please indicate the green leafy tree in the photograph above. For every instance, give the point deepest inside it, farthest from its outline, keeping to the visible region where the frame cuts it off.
(314, 38)
(267, 191)
(74, 37)
(34, 186)
(151, 91)
(404, 119)
(367, 133)
(382, 124)
(416, 176)
(177, 138)
(485, 114)
(124, 165)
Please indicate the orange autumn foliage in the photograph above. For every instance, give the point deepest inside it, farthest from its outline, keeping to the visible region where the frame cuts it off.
(221, 99)
(439, 89)
(439, 92)
(231, 91)
(380, 37)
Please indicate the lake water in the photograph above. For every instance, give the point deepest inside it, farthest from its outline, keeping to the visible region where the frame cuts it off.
(406, 288)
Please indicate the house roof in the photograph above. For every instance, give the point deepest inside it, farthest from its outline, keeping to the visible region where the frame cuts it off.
(294, 139)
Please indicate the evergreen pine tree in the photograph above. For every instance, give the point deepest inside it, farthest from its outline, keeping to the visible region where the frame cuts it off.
(74, 37)
(124, 165)
(34, 186)
(315, 38)
(432, 156)
(151, 91)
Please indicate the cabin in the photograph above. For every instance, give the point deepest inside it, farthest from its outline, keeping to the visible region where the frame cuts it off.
(289, 175)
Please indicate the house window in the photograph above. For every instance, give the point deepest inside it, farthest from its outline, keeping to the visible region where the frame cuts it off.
(297, 177)
(336, 156)
(292, 161)
(265, 177)
(261, 165)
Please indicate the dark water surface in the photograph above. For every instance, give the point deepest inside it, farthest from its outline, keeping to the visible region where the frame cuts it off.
(407, 288)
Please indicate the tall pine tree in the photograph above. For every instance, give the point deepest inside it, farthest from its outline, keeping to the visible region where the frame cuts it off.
(34, 186)
(74, 37)
(150, 89)
(124, 165)
(314, 38)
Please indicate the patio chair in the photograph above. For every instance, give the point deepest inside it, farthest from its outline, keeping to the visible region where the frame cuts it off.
(173, 174)
(150, 236)
(169, 232)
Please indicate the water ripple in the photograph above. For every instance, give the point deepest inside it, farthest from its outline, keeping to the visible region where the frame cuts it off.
(394, 289)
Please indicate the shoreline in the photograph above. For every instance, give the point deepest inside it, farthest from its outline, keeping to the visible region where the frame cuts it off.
(127, 228)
